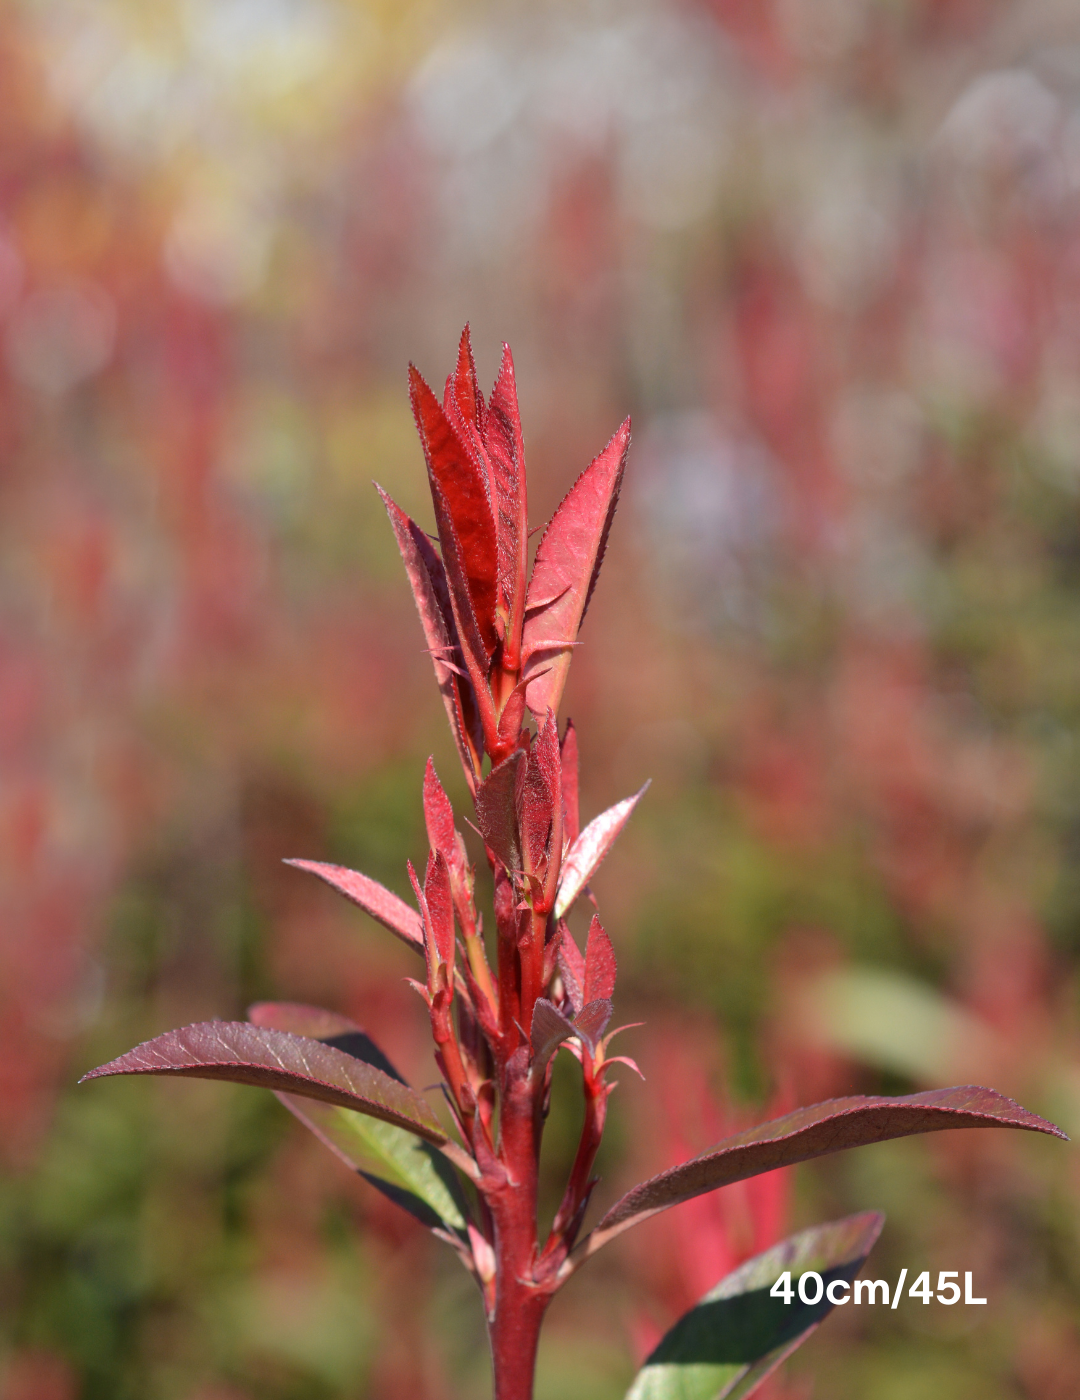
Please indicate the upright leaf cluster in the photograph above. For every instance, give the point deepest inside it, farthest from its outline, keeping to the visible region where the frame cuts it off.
(501, 641)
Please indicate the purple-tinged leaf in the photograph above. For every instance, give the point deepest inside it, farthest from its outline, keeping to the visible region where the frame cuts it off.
(459, 490)
(549, 1029)
(393, 913)
(427, 578)
(738, 1334)
(271, 1059)
(496, 809)
(810, 1132)
(592, 845)
(568, 752)
(565, 571)
(591, 1021)
(600, 966)
(328, 1026)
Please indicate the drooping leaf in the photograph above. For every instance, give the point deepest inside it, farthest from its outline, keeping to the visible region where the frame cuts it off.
(427, 579)
(737, 1335)
(590, 848)
(810, 1132)
(568, 753)
(393, 913)
(565, 570)
(271, 1059)
(600, 966)
(463, 513)
(497, 806)
(399, 1164)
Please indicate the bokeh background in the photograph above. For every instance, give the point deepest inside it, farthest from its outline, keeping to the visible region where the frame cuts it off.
(827, 252)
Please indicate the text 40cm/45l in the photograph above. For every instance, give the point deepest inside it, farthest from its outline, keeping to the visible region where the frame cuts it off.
(812, 1288)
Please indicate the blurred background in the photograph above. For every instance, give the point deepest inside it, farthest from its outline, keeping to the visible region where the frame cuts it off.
(827, 252)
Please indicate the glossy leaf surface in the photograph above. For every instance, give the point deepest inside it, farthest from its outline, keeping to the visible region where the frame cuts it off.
(271, 1059)
(737, 1335)
(375, 899)
(405, 1168)
(592, 845)
(565, 570)
(816, 1131)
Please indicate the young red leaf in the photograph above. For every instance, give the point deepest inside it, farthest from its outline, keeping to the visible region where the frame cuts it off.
(459, 489)
(462, 397)
(496, 809)
(272, 1059)
(738, 1334)
(568, 753)
(600, 964)
(440, 908)
(571, 968)
(592, 845)
(506, 454)
(427, 578)
(565, 570)
(393, 913)
(811, 1132)
(540, 799)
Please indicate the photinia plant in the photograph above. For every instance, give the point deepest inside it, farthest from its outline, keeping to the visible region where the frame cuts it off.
(501, 640)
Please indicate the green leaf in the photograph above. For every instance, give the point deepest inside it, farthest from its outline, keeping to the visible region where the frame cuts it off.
(397, 1163)
(738, 1334)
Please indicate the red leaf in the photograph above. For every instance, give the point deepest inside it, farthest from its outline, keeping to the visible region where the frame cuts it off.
(599, 964)
(438, 814)
(540, 798)
(427, 579)
(565, 571)
(440, 907)
(274, 1059)
(590, 848)
(459, 489)
(372, 897)
(462, 396)
(506, 454)
(569, 755)
(572, 968)
(814, 1132)
(496, 809)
